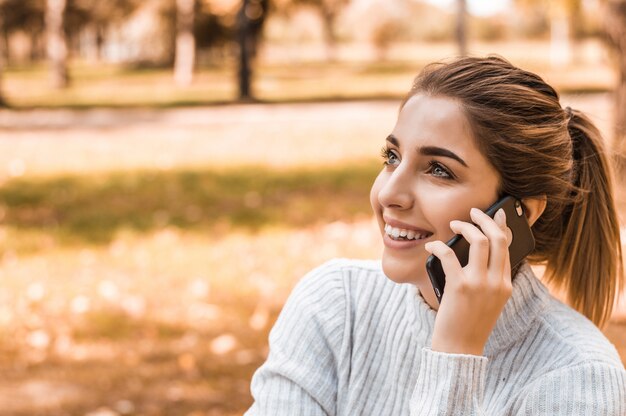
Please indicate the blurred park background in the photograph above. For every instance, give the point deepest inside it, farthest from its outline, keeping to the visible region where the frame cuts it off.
(170, 168)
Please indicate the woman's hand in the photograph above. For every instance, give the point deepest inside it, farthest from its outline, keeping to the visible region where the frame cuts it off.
(475, 295)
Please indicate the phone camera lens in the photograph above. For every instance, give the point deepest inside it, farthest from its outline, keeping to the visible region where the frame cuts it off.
(518, 208)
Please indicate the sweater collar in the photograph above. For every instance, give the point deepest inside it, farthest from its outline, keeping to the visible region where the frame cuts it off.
(527, 302)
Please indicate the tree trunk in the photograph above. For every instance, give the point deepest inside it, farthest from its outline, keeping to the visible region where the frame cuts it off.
(2, 102)
(619, 130)
(461, 27)
(4, 48)
(185, 42)
(575, 20)
(99, 42)
(57, 43)
(615, 16)
(560, 35)
(329, 35)
(38, 46)
(243, 38)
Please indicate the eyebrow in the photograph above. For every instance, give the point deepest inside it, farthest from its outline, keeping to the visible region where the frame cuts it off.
(430, 150)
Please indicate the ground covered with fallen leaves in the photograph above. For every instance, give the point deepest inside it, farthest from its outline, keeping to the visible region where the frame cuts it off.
(145, 254)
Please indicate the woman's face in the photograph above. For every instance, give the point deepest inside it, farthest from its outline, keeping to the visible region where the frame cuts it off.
(434, 173)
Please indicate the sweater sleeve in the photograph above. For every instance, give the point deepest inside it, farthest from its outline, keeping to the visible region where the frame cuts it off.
(449, 384)
(300, 374)
(590, 388)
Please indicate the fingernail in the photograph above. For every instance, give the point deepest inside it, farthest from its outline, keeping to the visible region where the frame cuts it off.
(427, 246)
(501, 217)
(474, 211)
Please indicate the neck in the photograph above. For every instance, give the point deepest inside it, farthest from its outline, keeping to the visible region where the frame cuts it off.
(427, 292)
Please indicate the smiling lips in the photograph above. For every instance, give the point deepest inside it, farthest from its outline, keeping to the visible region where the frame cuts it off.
(400, 234)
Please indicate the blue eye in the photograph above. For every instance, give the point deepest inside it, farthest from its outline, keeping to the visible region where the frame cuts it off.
(438, 170)
(390, 158)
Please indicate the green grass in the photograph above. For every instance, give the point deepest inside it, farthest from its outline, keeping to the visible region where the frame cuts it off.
(77, 209)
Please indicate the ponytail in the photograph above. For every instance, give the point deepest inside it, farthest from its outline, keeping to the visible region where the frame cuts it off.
(540, 150)
(588, 261)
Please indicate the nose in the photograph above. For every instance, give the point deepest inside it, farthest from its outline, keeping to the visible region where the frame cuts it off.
(397, 191)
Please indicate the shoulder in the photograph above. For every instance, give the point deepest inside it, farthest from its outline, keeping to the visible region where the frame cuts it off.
(339, 276)
(585, 342)
(588, 388)
(340, 293)
(309, 345)
(566, 360)
(325, 291)
(343, 268)
(562, 334)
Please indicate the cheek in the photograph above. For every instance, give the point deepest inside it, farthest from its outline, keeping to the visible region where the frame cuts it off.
(454, 204)
(442, 205)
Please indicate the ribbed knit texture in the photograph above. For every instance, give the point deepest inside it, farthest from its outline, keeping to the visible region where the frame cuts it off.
(351, 342)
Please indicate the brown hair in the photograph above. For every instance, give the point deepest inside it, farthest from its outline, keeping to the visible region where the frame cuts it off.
(542, 149)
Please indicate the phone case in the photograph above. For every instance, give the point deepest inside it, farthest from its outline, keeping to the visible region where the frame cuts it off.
(523, 242)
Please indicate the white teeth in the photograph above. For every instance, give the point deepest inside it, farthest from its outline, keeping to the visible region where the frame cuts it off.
(400, 232)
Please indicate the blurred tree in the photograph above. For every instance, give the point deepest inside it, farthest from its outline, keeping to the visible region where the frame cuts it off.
(565, 22)
(97, 17)
(250, 19)
(57, 42)
(185, 42)
(211, 30)
(2, 55)
(214, 30)
(615, 13)
(329, 11)
(26, 16)
(79, 17)
(384, 34)
(532, 19)
(461, 26)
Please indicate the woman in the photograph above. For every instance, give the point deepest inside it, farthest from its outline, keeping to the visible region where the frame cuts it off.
(365, 338)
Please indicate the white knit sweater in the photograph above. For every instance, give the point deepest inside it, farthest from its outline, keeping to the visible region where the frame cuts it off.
(351, 342)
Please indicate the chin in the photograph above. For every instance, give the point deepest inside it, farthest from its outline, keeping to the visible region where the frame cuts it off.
(403, 271)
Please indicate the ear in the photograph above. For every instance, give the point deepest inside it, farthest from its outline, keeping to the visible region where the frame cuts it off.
(534, 208)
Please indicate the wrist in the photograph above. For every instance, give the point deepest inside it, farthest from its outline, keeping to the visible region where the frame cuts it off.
(456, 347)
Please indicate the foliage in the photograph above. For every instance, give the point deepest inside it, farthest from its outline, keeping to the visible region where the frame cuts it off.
(23, 14)
(94, 209)
(28, 15)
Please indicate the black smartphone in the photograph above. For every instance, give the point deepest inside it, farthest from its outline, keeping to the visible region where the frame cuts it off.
(522, 245)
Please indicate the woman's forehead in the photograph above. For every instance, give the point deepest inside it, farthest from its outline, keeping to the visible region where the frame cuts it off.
(435, 121)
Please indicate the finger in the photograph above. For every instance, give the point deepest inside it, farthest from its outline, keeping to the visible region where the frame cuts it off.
(507, 270)
(498, 247)
(507, 267)
(479, 245)
(500, 219)
(449, 262)
(509, 240)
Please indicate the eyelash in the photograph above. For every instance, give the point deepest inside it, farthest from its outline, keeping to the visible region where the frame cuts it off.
(387, 153)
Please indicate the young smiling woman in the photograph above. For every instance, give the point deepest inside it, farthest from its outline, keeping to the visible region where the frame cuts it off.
(370, 338)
